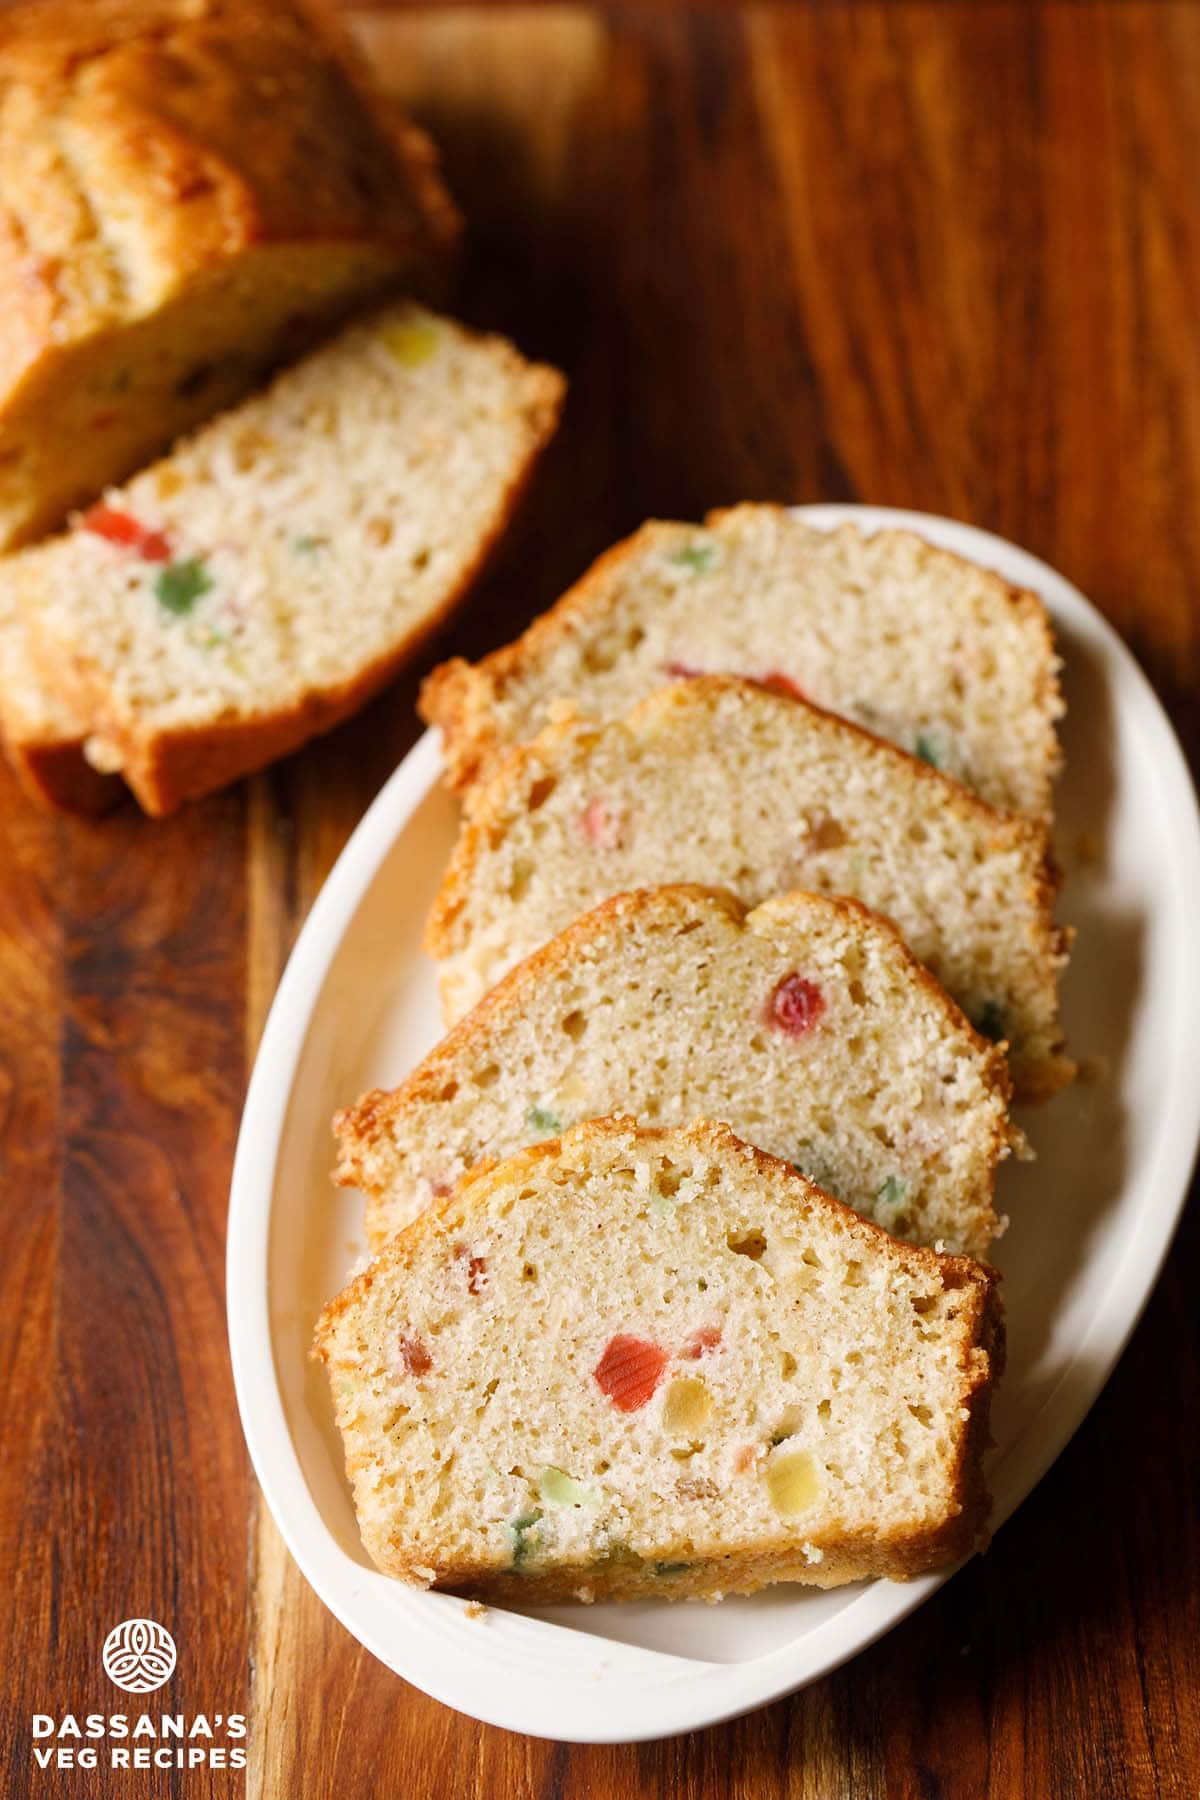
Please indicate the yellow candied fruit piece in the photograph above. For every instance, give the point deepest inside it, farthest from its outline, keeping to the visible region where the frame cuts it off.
(167, 481)
(249, 446)
(412, 343)
(688, 1405)
(793, 1482)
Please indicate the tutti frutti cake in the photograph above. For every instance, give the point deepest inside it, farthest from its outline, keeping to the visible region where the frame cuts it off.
(634, 1363)
(806, 1025)
(724, 782)
(924, 648)
(265, 579)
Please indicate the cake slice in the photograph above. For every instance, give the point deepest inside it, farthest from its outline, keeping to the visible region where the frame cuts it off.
(637, 1363)
(925, 649)
(43, 733)
(262, 581)
(724, 782)
(806, 1025)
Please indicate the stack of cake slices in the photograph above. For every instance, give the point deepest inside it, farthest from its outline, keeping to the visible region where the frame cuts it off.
(680, 1281)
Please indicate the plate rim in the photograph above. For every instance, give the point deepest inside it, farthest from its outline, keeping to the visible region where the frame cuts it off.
(684, 1695)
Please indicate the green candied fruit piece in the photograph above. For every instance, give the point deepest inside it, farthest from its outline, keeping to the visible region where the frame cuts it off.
(558, 1488)
(308, 545)
(926, 748)
(542, 1120)
(667, 1569)
(178, 587)
(699, 557)
(892, 1191)
(413, 342)
(990, 1023)
(520, 1530)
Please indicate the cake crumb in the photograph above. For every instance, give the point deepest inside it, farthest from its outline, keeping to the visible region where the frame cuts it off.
(1093, 1070)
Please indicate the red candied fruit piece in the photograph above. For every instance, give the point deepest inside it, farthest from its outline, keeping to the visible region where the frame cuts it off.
(475, 1266)
(701, 1342)
(779, 683)
(795, 1005)
(122, 528)
(599, 826)
(629, 1371)
(414, 1355)
(681, 671)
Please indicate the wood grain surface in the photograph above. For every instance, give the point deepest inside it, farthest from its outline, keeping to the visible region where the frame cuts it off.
(944, 256)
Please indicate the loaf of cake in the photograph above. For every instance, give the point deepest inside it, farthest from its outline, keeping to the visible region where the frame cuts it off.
(726, 783)
(190, 191)
(925, 649)
(805, 1025)
(42, 732)
(659, 1363)
(262, 581)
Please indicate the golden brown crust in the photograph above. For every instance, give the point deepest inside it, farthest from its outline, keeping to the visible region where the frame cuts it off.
(720, 1577)
(191, 191)
(360, 1126)
(57, 774)
(207, 126)
(718, 1570)
(488, 812)
(461, 698)
(42, 736)
(167, 768)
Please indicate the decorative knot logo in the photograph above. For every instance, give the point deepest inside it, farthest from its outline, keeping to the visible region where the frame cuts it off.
(139, 1655)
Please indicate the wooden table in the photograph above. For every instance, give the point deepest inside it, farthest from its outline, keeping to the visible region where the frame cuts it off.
(945, 256)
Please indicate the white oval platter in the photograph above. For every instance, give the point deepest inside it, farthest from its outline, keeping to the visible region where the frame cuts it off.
(1091, 1219)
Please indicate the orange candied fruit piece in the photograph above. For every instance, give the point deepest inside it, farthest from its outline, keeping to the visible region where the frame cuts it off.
(414, 1356)
(795, 1005)
(629, 1370)
(122, 528)
(707, 1338)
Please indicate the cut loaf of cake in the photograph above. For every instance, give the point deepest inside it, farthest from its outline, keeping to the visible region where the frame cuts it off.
(190, 192)
(925, 649)
(724, 782)
(43, 733)
(806, 1025)
(659, 1363)
(262, 581)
